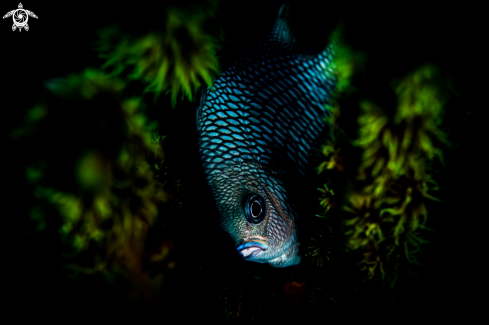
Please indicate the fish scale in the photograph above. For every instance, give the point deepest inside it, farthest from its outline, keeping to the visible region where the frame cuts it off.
(259, 126)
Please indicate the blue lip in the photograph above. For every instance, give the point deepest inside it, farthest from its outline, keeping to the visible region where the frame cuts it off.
(252, 244)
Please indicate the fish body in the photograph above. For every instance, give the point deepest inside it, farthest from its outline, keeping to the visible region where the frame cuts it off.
(258, 126)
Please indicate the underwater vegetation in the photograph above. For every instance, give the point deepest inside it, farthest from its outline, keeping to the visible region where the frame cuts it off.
(113, 171)
(178, 59)
(385, 206)
(114, 215)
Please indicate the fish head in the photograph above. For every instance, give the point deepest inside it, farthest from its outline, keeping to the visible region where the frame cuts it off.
(255, 212)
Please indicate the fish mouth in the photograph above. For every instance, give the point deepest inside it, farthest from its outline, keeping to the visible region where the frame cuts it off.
(251, 247)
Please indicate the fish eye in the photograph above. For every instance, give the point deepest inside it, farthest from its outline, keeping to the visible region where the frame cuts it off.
(254, 208)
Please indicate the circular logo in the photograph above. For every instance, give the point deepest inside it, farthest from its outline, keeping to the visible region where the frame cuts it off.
(20, 17)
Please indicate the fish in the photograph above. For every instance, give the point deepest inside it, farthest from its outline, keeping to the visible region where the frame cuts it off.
(259, 127)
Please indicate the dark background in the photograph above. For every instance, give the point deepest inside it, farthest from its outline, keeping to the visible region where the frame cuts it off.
(397, 38)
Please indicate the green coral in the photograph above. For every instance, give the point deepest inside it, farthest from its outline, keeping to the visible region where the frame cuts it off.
(346, 62)
(178, 59)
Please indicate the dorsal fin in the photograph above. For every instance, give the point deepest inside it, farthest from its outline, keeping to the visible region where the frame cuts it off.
(302, 25)
(281, 31)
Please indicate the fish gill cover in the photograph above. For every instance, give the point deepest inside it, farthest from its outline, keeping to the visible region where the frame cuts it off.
(114, 184)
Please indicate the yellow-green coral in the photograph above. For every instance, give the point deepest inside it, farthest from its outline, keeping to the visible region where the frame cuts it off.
(365, 222)
(177, 59)
(420, 105)
(388, 223)
(371, 262)
(397, 146)
(386, 201)
(393, 179)
(334, 159)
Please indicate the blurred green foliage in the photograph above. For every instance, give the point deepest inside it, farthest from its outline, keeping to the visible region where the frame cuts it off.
(346, 61)
(177, 59)
(107, 191)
